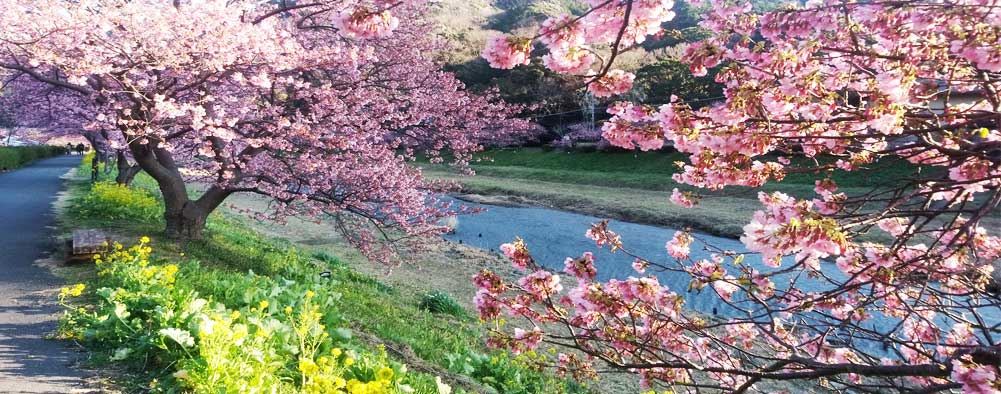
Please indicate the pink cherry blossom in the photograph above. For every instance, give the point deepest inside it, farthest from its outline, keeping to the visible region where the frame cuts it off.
(507, 52)
(678, 247)
(613, 83)
(367, 24)
(187, 92)
(582, 268)
(682, 199)
(570, 60)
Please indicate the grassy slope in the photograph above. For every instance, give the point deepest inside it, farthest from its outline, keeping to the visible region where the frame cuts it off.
(636, 186)
(430, 343)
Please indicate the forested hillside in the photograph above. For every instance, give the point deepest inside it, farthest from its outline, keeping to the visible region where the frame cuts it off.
(559, 101)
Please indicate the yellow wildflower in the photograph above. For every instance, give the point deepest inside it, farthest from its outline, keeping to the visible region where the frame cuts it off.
(384, 373)
(307, 366)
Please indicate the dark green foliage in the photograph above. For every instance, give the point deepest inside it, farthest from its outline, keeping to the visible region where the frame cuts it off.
(441, 302)
(12, 157)
(544, 91)
(658, 81)
(524, 13)
(507, 375)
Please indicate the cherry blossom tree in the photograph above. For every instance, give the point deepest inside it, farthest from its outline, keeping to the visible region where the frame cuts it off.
(56, 112)
(815, 296)
(317, 105)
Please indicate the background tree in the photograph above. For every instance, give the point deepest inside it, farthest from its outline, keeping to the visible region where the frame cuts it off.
(58, 112)
(817, 295)
(317, 106)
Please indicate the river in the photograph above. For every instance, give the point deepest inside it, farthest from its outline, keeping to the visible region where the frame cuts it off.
(553, 235)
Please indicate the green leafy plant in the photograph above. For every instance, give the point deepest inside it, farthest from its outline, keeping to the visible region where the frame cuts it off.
(518, 375)
(441, 302)
(260, 335)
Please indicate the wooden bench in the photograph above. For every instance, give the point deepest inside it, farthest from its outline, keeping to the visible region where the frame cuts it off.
(86, 243)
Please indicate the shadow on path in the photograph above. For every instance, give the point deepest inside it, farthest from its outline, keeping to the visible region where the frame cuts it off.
(29, 312)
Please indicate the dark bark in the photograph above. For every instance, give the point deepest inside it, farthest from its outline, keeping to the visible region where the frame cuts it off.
(99, 155)
(126, 171)
(185, 217)
(186, 223)
(94, 168)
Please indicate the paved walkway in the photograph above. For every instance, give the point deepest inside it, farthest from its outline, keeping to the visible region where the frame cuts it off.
(28, 311)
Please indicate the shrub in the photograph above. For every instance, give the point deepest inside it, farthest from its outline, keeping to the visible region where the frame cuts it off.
(510, 375)
(108, 200)
(440, 302)
(12, 157)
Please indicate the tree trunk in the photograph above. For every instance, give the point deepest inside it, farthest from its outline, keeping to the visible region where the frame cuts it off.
(187, 223)
(185, 218)
(126, 172)
(94, 166)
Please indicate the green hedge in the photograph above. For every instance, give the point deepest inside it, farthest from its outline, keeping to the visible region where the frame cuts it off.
(12, 157)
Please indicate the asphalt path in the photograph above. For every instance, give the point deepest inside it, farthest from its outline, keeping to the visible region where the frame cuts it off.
(30, 363)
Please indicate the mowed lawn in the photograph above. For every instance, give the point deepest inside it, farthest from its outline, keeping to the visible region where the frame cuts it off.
(636, 186)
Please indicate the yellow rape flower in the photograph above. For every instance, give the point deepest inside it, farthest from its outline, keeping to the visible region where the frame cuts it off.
(74, 291)
(384, 373)
(356, 387)
(307, 366)
(263, 304)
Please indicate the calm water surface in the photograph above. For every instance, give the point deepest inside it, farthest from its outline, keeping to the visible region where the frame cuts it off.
(553, 235)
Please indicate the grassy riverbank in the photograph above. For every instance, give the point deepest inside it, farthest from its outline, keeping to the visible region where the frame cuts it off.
(636, 186)
(266, 287)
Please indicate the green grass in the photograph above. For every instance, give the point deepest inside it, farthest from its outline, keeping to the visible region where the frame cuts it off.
(653, 170)
(441, 302)
(444, 339)
(12, 157)
(635, 186)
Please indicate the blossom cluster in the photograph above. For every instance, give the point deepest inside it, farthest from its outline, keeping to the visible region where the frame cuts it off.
(321, 108)
(823, 88)
(571, 42)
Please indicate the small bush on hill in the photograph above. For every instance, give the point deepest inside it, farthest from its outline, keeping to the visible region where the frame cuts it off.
(441, 302)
